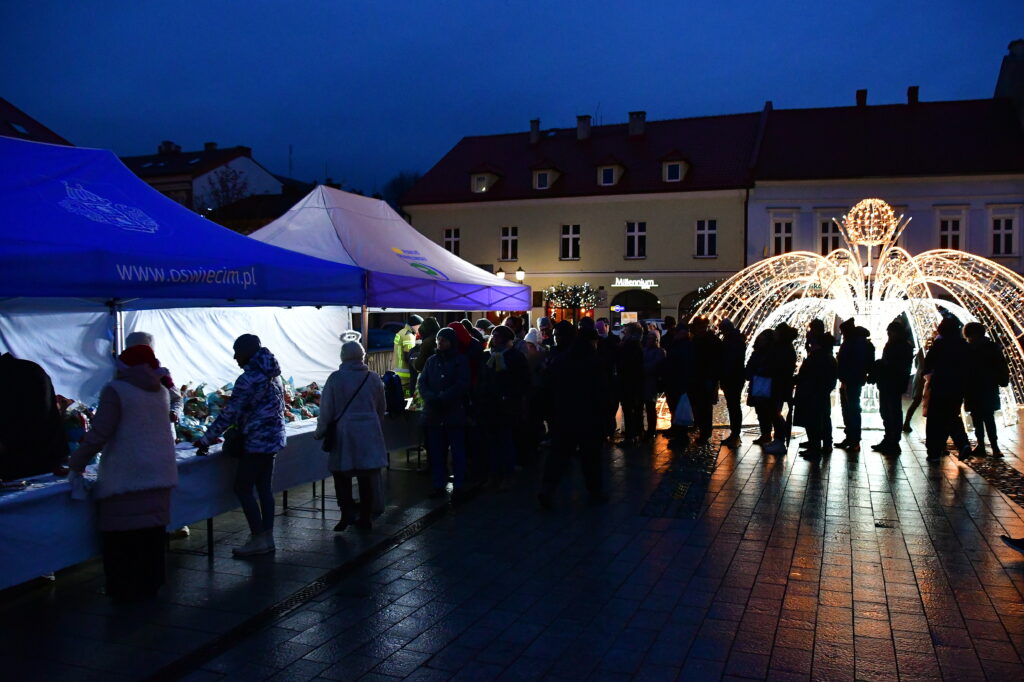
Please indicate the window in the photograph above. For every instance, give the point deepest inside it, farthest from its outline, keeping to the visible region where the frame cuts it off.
(673, 172)
(831, 236)
(509, 243)
(950, 230)
(607, 175)
(782, 235)
(451, 240)
(570, 243)
(1002, 234)
(482, 182)
(707, 238)
(541, 180)
(636, 240)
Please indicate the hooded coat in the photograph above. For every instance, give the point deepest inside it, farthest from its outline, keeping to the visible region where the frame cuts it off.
(359, 436)
(987, 369)
(814, 385)
(444, 385)
(428, 332)
(256, 406)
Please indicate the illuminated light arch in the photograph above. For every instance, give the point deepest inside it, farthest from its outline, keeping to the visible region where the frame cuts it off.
(799, 286)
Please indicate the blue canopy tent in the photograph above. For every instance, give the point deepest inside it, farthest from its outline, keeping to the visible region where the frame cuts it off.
(76, 224)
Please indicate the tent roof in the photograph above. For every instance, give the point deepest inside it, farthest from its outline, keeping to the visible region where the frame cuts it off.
(404, 268)
(77, 224)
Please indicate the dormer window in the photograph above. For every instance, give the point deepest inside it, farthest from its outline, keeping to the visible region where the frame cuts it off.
(541, 179)
(607, 176)
(672, 171)
(482, 182)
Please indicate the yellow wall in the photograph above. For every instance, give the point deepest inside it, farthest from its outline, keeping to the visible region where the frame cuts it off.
(671, 242)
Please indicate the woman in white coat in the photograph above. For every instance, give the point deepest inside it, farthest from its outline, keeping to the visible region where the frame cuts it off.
(352, 404)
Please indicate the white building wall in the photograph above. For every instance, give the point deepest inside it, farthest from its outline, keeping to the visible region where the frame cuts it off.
(921, 199)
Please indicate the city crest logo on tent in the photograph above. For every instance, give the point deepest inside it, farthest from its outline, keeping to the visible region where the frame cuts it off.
(415, 260)
(98, 209)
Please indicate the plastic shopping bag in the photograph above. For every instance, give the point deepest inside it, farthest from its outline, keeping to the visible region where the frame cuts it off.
(683, 416)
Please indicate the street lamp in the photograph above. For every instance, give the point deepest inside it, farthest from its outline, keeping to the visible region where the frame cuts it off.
(520, 274)
(500, 273)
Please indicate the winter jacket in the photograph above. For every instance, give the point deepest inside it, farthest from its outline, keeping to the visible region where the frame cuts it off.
(678, 366)
(576, 392)
(256, 406)
(946, 364)
(470, 347)
(444, 387)
(405, 341)
(783, 366)
(892, 370)
(734, 354)
(814, 385)
(855, 359)
(987, 371)
(707, 358)
(358, 434)
(654, 361)
(629, 368)
(501, 390)
(30, 422)
(428, 332)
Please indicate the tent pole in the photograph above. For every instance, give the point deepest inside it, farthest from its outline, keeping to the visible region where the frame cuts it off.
(118, 326)
(365, 324)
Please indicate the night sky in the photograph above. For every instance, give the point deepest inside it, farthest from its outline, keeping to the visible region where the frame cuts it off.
(365, 89)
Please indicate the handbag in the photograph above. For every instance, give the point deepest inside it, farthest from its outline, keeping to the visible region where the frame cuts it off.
(331, 436)
(234, 441)
(761, 387)
(683, 416)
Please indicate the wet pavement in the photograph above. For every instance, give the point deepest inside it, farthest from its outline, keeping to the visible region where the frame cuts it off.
(705, 564)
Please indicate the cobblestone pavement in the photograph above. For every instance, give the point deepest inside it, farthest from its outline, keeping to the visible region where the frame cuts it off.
(700, 567)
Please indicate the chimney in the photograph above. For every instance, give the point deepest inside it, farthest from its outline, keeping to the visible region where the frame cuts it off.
(1011, 77)
(534, 131)
(167, 147)
(636, 123)
(862, 98)
(582, 127)
(912, 94)
(209, 146)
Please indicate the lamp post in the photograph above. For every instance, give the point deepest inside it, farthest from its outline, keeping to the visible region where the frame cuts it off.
(520, 275)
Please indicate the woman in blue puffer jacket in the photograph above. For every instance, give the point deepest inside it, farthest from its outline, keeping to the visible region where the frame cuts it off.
(256, 408)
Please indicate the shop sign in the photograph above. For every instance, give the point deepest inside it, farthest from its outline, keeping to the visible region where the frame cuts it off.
(629, 317)
(627, 283)
(618, 308)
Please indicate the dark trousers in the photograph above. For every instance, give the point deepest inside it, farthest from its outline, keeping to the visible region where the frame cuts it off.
(732, 391)
(849, 401)
(944, 422)
(256, 470)
(501, 449)
(439, 440)
(633, 416)
(651, 408)
(984, 421)
(703, 412)
(133, 561)
(564, 447)
(765, 410)
(343, 490)
(890, 407)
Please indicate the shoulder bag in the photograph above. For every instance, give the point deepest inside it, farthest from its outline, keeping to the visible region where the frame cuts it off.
(331, 435)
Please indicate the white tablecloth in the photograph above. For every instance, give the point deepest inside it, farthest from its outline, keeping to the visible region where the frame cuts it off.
(42, 529)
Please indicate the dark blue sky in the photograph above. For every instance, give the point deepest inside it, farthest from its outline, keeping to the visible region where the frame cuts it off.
(369, 88)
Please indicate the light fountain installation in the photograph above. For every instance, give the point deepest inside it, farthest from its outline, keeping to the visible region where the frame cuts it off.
(874, 281)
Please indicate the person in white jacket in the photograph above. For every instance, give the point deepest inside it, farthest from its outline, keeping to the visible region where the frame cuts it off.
(352, 406)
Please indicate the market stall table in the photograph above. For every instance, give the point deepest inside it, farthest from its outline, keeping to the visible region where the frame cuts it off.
(42, 529)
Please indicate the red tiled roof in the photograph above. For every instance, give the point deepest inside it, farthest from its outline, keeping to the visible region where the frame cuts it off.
(717, 147)
(966, 137)
(183, 163)
(16, 123)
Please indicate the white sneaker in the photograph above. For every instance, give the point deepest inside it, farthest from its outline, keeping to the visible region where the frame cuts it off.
(261, 543)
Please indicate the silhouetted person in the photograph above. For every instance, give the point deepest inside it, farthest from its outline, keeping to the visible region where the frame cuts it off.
(734, 354)
(759, 371)
(607, 350)
(669, 333)
(987, 371)
(814, 385)
(444, 385)
(917, 389)
(892, 372)
(815, 327)
(629, 369)
(501, 402)
(783, 369)
(855, 358)
(654, 362)
(946, 367)
(678, 368)
(32, 439)
(707, 358)
(576, 391)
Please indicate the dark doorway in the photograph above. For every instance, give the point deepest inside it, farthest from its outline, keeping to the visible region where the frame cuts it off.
(645, 304)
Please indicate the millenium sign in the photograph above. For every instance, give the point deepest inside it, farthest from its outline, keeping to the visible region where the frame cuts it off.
(799, 286)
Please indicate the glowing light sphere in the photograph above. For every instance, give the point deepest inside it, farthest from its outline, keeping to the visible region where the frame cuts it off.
(800, 286)
(871, 222)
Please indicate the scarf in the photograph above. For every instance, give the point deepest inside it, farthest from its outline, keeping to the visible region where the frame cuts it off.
(497, 361)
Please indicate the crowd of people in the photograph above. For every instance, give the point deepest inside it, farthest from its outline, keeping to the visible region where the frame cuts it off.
(493, 395)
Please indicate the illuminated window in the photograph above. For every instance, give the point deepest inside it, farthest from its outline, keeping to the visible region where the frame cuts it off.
(451, 240)
(950, 230)
(707, 238)
(570, 243)
(541, 180)
(636, 240)
(509, 243)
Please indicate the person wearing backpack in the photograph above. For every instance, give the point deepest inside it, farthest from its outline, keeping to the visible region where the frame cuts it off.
(351, 414)
(988, 371)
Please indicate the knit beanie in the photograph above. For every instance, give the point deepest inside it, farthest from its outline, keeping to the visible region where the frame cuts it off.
(247, 344)
(414, 320)
(139, 355)
(448, 333)
(138, 339)
(352, 351)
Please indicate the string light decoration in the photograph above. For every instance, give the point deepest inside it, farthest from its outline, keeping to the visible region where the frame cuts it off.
(571, 296)
(799, 286)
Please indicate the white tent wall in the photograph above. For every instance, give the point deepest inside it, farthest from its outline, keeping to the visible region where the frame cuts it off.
(72, 345)
(195, 344)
